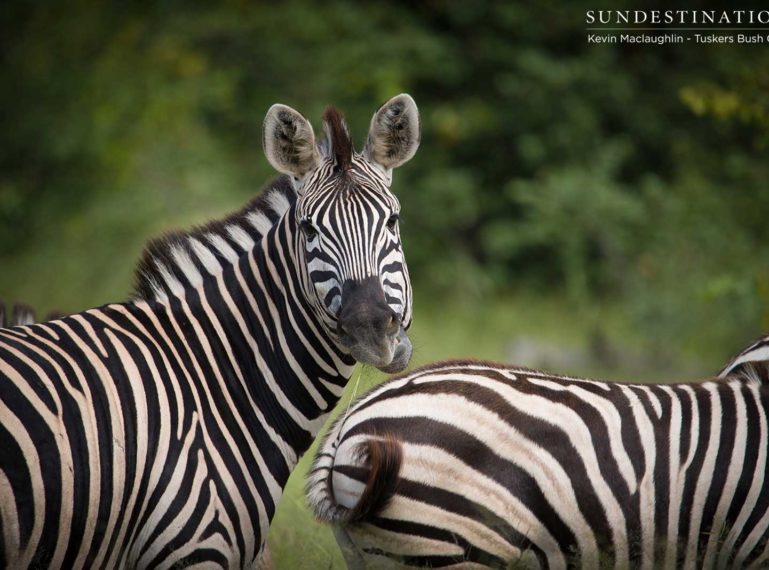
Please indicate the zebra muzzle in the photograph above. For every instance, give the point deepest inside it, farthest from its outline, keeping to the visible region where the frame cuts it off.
(370, 329)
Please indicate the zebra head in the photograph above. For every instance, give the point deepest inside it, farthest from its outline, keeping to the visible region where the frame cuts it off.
(345, 219)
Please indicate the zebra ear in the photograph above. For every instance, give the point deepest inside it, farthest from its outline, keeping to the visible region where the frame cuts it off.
(394, 134)
(289, 142)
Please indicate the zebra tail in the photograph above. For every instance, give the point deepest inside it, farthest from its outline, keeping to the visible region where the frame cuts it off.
(384, 458)
(353, 479)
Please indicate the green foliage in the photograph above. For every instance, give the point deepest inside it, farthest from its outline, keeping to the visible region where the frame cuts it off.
(627, 172)
(580, 218)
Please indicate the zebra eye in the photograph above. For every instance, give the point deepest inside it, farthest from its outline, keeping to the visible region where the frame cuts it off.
(308, 229)
(392, 222)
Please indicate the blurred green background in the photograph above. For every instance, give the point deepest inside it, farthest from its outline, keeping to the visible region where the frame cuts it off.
(589, 209)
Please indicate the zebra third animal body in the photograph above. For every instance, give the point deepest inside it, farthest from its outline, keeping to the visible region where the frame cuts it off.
(18, 316)
(468, 464)
(160, 434)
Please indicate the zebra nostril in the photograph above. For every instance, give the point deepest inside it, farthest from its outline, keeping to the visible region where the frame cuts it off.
(393, 322)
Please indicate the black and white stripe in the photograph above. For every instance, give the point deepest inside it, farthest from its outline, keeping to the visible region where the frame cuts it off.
(330, 263)
(160, 433)
(474, 465)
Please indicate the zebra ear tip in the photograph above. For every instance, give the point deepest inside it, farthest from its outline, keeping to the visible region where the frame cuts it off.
(403, 97)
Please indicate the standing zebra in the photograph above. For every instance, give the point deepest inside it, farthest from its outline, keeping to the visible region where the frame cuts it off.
(179, 260)
(469, 464)
(160, 434)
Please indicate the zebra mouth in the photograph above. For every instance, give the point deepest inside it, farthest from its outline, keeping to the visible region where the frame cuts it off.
(390, 355)
(401, 353)
(369, 328)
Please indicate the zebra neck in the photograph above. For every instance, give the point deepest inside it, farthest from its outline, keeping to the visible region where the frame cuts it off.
(283, 368)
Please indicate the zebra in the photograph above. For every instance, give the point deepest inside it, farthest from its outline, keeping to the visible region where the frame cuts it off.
(181, 256)
(160, 432)
(169, 260)
(22, 315)
(19, 315)
(474, 464)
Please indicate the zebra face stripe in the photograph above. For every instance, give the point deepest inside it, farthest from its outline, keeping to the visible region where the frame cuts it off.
(349, 237)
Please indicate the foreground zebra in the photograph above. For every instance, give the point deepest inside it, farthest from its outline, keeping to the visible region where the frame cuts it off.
(471, 464)
(179, 260)
(159, 434)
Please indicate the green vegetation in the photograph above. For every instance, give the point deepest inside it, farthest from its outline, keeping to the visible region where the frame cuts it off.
(607, 203)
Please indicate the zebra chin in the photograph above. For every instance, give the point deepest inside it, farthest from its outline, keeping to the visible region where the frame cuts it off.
(391, 355)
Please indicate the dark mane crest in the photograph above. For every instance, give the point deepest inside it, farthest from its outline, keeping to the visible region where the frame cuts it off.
(177, 260)
(338, 139)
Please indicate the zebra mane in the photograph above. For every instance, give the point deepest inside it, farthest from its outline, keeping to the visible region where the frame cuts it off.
(337, 139)
(177, 260)
(752, 363)
(757, 372)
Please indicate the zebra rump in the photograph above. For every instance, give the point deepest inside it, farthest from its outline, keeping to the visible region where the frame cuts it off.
(469, 464)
